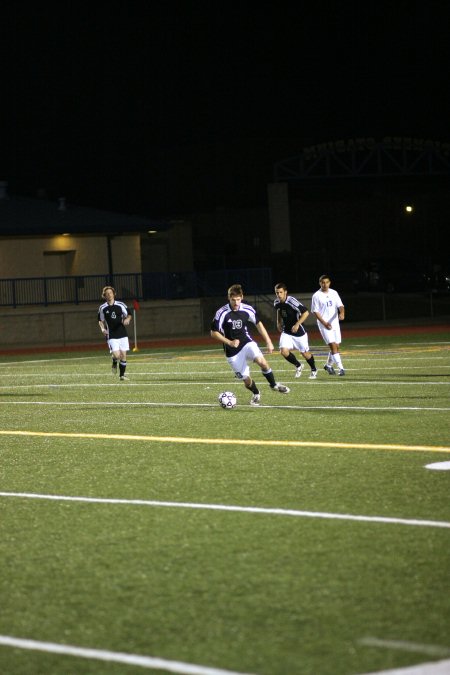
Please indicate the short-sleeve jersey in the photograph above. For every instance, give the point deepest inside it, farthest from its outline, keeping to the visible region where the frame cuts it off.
(234, 325)
(327, 304)
(290, 312)
(113, 315)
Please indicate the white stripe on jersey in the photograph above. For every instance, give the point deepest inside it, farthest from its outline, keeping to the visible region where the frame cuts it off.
(102, 307)
(226, 309)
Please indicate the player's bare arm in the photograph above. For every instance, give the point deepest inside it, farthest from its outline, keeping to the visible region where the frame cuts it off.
(322, 321)
(265, 336)
(341, 313)
(221, 338)
(127, 320)
(302, 318)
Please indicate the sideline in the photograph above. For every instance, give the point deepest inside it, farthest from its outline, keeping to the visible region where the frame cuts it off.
(228, 441)
(234, 509)
(429, 668)
(151, 662)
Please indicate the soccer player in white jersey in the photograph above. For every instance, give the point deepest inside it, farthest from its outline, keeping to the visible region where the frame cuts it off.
(113, 316)
(230, 327)
(329, 310)
(291, 315)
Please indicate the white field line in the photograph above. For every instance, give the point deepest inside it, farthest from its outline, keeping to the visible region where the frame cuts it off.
(170, 366)
(228, 441)
(439, 466)
(403, 645)
(150, 357)
(150, 662)
(174, 368)
(234, 509)
(146, 356)
(429, 668)
(219, 383)
(154, 360)
(144, 404)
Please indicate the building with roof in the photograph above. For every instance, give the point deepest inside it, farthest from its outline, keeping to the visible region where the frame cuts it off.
(43, 238)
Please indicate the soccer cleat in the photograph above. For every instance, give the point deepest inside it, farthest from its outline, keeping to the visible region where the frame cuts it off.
(281, 388)
(313, 375)
(341, 372)
(255, 399)
(298, 370)
(124, 377)
(114, 367)
(330, 370)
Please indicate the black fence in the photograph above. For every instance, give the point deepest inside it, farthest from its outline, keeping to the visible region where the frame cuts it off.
(142, 286)
(257, 284)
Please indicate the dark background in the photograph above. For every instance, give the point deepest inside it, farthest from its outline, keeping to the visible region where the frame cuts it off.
(169, 108)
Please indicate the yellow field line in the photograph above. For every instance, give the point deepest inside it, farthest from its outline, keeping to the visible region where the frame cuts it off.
(230, 441)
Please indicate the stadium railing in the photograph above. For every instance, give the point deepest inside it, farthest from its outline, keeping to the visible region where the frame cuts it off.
(141, 286)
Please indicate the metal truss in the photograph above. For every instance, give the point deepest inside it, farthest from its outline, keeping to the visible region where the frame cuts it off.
(363, 157)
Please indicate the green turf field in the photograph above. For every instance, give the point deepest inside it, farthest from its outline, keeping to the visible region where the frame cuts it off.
(145, 528)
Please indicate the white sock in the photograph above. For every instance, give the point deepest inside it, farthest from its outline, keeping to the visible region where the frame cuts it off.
(337, 360)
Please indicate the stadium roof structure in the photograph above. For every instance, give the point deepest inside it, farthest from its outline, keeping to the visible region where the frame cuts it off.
(24, 216)
(366, 157)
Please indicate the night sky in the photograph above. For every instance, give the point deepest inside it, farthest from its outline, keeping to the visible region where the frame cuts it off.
(166, 108)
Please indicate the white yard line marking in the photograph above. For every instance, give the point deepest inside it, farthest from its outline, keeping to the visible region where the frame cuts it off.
(336, 382)
(226, 441)
(124, 404)
(439, 466)
(234, 509)
(151, 662)
(429, 668)
(403, 645)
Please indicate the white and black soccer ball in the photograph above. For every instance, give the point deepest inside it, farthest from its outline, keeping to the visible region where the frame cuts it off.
(227, 399)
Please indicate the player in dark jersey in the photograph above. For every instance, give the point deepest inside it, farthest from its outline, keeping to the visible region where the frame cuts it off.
(230, 327)
(291, 315)
(113, 317)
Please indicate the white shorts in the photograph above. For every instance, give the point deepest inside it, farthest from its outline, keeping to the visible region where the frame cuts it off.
(239, 362)
(333, 335)
(119, 345)
(291, 342)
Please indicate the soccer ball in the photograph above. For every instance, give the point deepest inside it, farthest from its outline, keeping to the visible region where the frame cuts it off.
(227, 399)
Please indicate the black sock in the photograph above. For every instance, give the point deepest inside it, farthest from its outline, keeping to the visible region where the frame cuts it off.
(311, 363)
(270, 378)
(122, 368)
(253, 388)
(291, 358)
